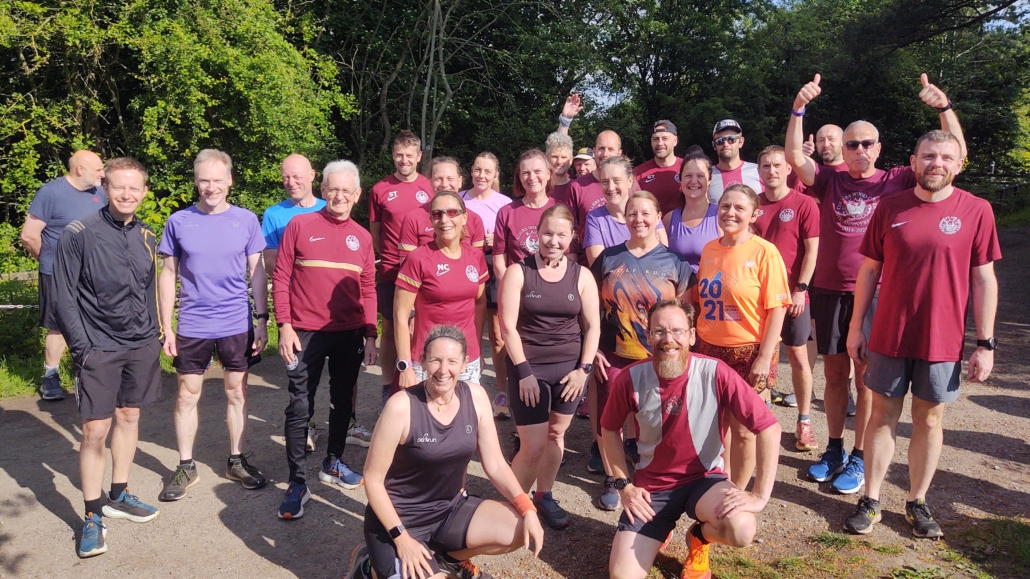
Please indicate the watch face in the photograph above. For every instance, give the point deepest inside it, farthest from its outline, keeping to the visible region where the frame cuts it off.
(588, 368)
(620, 483)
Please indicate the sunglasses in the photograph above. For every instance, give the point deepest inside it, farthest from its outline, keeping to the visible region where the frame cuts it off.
(437, 214)
(723, 140)
(866, 144)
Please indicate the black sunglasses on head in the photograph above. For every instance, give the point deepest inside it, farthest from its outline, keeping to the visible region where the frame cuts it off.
(866, 144)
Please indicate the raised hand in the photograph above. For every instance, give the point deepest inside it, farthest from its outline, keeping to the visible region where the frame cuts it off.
(932, 95)
(807, 93)
(572, 106)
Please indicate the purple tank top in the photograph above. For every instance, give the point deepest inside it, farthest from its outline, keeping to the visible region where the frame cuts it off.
(687, 242)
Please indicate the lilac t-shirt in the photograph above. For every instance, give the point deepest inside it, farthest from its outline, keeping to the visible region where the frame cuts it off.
(486, 209)
(602, 229)
(212, 252)
(687, 242)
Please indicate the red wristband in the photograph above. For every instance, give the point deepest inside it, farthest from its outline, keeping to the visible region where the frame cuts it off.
(523, 504)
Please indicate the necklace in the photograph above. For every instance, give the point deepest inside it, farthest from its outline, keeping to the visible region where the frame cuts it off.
(441, 405)
(553, 265)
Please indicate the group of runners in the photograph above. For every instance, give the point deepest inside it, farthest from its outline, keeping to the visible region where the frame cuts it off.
(652, 299)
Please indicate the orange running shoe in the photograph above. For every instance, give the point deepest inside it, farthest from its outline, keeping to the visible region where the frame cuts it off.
(696, 565)
(805, 437)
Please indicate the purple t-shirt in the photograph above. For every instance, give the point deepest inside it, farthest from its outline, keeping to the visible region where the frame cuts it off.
(212, 252)
(687, 242)
(602, 229)
(486, 209)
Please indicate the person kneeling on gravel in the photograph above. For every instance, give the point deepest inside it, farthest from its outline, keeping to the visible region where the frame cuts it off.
(677, 399)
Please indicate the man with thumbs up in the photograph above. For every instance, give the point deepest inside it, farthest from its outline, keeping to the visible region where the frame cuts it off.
(847, 202)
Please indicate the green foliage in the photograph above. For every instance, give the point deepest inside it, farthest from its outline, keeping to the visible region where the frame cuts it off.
(13, 257)
(19, 333)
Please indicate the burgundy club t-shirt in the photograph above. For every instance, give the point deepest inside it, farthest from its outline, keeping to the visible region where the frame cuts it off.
(391, 200)
(846, 206)
(663, 182)
(927, 250)
(787, 223)
(446, 291)
(417, 231)
(515, 233)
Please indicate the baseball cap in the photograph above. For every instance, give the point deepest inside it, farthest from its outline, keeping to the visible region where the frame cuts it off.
(584, 153)
(727, 124)
(664, 126)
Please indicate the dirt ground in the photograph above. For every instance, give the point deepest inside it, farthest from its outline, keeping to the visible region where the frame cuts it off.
(221, 529)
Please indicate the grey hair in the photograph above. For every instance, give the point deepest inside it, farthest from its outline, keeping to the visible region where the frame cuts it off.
(622, 162)
(558, 140)
(342, 167)
(213, 155)
(860, 124)
(449, 332)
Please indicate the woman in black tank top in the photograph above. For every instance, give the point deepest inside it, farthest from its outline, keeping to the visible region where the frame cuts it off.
(551, 322)
(419, 518)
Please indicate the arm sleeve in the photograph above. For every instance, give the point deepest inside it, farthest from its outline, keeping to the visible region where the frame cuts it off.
(170, 239)
(268, 229)
(409, 234)
(67, 270)
(809, 213)
(822, 182)
(283, 272)
(872, 241)
(775, 289)
(985, 243)
(592, 231)
(369, 303)
(410, 276)
(620, 402)
(905, 176)
(476, 230)
(42, 205)
(501, 230)
(256, 243)
(374, 210)
(484, 273)
(740, 400)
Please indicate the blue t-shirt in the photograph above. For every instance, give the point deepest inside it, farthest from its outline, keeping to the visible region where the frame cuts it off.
(212, 252)
(278, 216)
(58, 203)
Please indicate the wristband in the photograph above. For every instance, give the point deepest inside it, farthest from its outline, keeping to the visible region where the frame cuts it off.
(564, 121)
(523, 370)
(263, 316)
(523, 504)
(800, 113)
(945, 109)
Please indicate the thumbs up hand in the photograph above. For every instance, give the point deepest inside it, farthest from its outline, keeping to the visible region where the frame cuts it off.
(932, 95)
(807, 93)
(808, 147)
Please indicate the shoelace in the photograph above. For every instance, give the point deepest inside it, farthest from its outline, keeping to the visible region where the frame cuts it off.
(180, 474)
(922, 509)
(293, 492)
(866, 507)
(696, 557)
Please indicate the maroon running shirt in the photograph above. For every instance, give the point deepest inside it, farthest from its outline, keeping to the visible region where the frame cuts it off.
(584, 196)
(417, 231)
(846, 206)
(561, 193)
(787, 223)
(515, 232)
(446, 291)
(663, 182)
(391, 200)
(927, 250)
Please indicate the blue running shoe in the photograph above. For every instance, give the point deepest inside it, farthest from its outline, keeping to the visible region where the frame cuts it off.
(830, 464)
(129, 507)
(92, 542)
(853, 477)
(594, 464)
(292, 506)
(337, 473)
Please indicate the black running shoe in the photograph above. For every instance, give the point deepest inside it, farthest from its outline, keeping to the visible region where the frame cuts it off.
(461, 569)
(516, 444)
(184, 478)
(923, 525)
(551, 512)
(249, 476)
(865, 516)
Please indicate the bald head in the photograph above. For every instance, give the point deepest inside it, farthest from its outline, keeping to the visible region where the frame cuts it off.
(298, 178)
(608, 144)
(829, 143)
(85, 170)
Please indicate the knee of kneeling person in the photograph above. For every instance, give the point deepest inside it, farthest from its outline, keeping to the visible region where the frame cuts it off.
(740, 529)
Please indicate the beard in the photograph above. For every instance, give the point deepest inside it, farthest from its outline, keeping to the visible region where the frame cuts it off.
(671, 368)
(934, 183)
(727, 154)
(828, 155)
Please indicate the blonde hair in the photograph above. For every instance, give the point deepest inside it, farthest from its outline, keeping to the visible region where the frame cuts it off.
(497, 168)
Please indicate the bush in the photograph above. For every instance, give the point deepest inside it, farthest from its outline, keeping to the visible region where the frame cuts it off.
(19, 328)
(13, 257)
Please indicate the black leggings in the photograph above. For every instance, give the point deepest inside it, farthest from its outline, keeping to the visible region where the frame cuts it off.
(548, 377)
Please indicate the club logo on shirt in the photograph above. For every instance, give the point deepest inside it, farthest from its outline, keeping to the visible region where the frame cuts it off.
(352, 243)
(442, 268)
(429, 229)
(421, 196)
(468, 429)
(786, 215)
(677, 177)
(950, 225)
(533, 295)
(426, 438)
(533, 245)
(96, 200)
(313, 239)
(572, 298)
(761, 212)
(672, 406)
(649, 178)
(749, 264)
(853, 211)
(472, 273)
(235, 223)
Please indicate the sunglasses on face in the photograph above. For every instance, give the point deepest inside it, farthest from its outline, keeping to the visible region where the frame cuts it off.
(866, 144)
(729, 139)
(437, 214)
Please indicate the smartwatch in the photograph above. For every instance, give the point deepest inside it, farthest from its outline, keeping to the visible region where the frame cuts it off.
(802, 287)
(620, 483)
(403, 365)
(588, 368)
(989, 343)
(396, 531)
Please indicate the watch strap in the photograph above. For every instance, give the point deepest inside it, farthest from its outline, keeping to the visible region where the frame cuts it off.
(945, 108)
(396, 531)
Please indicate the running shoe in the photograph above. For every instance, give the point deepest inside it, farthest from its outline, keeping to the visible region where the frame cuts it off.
(240, 470)
(183, 478)
(696, 565)
(830, 464)
(923, 525)
(583, 409)
(358, 434)
(804, 436)
(51, 390)
(360, 563)
(336, 473)
(309, 446)
(852, 478)
(865, 516)
(516, 444)
(776, 397)
(608, 500)
(790, 400)
(551, 512)
(461, 569)
(93, 541)
(130, 508)
(292, 506)
(629, 446)
(594, 464)
(501, 406)
(852, 409)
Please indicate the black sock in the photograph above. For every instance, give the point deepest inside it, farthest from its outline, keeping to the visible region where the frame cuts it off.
(187, 462)
(236, 456)
(857, 453)
(697, 531)
(804, 418)
(96, 506)
(117, 489)
(836, 442)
